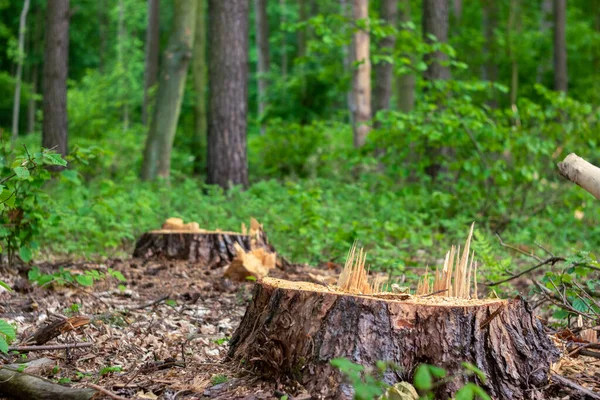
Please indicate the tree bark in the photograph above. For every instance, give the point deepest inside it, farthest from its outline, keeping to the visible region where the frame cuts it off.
(18, 77)
(361, 77)
(123, 65)
(561, 78)
(199, 70)
(176, 59)
(262, 44)
(56, 64)
(152, 50)
(384, 71)
(19, 385)
(228, 101)
(511, 31)
(582, 173)
(284, 55)
(36, 49)
(546, 15)
(490, 67)
(293, 329)
(435, 22)
(406, 82)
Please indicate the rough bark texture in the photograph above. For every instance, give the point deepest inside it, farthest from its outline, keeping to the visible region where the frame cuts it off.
(262, 44)
(23, 386)
(152, 50)
(209, 249)
(228, 89)
(295, 333)
(582, 173)
(54, 129)
(361, 77)
(384, 71)
(157, 154)
(560, 46)
(199, 70)
(406, 82)
(435, 22)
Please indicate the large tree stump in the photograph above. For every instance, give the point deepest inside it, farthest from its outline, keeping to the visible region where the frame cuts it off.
(208, 248)
(293, 330)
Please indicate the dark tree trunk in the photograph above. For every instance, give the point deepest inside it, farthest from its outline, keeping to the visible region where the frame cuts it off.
(361, 76)
(199, 70)
(102, 33)
(54, 129)
(157, 154)
(152, 50)
(406, 82)
(384, 71)
(18, 77)
(262, 44)
(301, 34)
(435, 22)
(37, 50)
(228, 100)
(490, 67)
(284, 54)
(561, 78)
(293, 330)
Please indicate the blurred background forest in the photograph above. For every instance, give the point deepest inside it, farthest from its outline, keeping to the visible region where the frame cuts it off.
(394, 122)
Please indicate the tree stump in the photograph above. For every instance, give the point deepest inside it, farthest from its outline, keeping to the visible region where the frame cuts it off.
(209, 248)
(293, 330)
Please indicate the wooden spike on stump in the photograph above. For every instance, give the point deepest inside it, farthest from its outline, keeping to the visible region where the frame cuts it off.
(293, 330)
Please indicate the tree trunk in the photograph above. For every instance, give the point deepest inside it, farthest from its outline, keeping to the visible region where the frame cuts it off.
(56, 64)
(20, 57)
(406, 82)
(435, 22)
(301, 34)
(199, 70)
(361, 88)
(582, 173)
(490, 67)
(37, 50)
(511, 31)
(152, 50)
(228, 101)
(561, 78)
(262, 44)
(284, 56)
(384, 71)
(123, 65)
(293, 329)
(545, 26)
(457, 9)
(176, 59)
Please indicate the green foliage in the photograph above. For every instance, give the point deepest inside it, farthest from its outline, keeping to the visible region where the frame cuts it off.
(366, 386)
(7, 335)
(64, 277)
(218, 379)
(110, 369)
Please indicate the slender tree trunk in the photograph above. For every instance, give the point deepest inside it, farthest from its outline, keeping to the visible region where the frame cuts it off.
(123, 65)
(102, 33)
(513, 28)
(384, 71)
(36, 49)
(152, 50)
(301, 34)
(406, 82)
(361, 75)
(262, 44)
(348, 52)
(490, 67)
(20, 57)
(56, 57)
(284, 56)
(545, 26)
(457, 9)
(175, 62)
(228, 100)
(199, 70)
(561, 77)
(435, 22)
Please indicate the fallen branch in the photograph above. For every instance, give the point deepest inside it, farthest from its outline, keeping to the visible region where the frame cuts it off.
(21, 385)
(581, 172)
(106, 392)
(50, 347)
(159, 300)
(551, 260)
(586, 393)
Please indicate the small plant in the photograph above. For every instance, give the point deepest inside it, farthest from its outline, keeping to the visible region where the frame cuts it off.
(64, 277)
(7, 332)
(111, 369)
(222, 341)
(218, 379)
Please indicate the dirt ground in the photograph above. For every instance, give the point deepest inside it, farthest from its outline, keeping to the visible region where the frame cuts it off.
(166, 335)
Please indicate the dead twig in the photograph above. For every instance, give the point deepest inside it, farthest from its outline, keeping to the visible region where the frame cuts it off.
(106, 392)
(159, 300)
(517, 249)
(50, 347)
(551, 261)
(574, 386)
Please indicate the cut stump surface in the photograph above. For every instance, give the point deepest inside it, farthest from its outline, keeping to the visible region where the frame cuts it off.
(293, 330)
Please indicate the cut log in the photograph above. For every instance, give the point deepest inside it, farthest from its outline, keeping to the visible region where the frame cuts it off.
(581, 172)
(212, 249)
(293, 329)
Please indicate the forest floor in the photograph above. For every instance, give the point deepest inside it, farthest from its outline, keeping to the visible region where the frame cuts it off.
(166, 335)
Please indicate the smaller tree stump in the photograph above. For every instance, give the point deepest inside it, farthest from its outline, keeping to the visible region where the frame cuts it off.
(293, 330)
(212, 249)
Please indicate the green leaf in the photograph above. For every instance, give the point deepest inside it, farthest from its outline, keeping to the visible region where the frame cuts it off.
(71, 176)
(3, 345)
(422, 379)
(21, 172)
(25, 253)
(84, 280)
(7, 330)
(54, 159)
(437, 371)
(581, 305)
(480, 374)
(34, 274)
(465, 393)
(5, 286)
